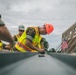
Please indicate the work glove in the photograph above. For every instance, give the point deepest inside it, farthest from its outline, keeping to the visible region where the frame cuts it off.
(42, 51)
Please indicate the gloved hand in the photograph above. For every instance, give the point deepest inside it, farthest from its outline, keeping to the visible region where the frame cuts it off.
(42, 51)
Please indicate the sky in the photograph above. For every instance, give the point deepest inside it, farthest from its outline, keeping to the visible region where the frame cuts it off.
(60, 13)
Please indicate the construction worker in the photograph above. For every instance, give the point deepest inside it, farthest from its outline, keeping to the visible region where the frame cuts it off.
(1, 45)
(21, 29)
(4, 33)
(32, 37)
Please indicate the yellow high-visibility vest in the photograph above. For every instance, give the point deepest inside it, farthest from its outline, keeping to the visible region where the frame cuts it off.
(1, 45)
(20, 45)
(17, 36)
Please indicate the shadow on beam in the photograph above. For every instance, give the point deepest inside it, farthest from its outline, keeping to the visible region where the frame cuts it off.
(9, 58)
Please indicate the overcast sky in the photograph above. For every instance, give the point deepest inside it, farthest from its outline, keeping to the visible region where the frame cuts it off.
(60, 13)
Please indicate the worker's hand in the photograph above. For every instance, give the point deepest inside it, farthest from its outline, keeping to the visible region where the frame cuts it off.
(42, 51)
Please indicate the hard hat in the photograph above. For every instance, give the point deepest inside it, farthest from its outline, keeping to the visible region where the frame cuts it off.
(21, 27)
(49, 28)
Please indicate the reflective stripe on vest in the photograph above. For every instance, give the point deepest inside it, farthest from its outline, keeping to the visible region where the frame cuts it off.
(1, 45)
(24, 46)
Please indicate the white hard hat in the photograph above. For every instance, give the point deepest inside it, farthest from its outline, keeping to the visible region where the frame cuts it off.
(21, 27)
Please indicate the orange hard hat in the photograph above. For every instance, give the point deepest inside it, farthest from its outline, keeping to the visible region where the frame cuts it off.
(49, 28)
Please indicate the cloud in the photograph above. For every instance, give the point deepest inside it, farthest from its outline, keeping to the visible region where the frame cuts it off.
(26, 6)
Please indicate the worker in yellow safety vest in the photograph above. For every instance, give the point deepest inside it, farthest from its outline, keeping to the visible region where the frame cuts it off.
(21, 29)
(32, 37)
(1, 45)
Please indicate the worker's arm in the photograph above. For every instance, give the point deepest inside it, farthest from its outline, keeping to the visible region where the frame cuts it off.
(4, 32)
(30, 45)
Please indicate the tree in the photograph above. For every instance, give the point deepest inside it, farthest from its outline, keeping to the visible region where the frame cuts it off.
(52, 50)
(45, 44)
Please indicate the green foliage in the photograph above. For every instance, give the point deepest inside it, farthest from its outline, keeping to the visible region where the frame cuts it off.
(52, 50)
(45, 43)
